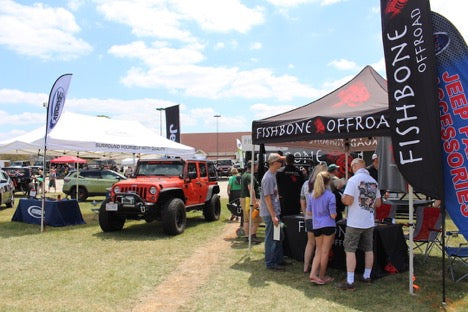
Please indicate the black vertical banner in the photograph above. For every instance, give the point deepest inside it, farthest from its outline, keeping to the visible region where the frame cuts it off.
(412, 93)
(173, 123)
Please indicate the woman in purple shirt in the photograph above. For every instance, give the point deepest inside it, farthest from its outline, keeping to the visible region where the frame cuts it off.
(321, 206)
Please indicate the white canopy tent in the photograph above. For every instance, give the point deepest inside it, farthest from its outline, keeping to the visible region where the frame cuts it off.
(95, 137)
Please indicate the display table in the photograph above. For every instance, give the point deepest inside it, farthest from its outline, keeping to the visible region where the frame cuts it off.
(56, 213)
(389, 246)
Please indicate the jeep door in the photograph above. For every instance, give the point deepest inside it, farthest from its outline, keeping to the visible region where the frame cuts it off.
(202, 168)
(192, 184)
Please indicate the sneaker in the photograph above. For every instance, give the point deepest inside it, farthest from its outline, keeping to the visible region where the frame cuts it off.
(365, 280)
(254, 239)
(276, 268)
(345, 286)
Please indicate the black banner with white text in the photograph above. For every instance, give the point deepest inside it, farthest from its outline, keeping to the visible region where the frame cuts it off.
(412, 93)
(173, 123)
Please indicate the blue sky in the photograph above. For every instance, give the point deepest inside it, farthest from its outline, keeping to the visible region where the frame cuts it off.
(243, 60)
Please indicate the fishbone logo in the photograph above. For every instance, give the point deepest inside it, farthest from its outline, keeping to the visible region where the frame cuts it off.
(394, 7)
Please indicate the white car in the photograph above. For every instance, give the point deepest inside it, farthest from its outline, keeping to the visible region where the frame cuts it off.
(7, 190)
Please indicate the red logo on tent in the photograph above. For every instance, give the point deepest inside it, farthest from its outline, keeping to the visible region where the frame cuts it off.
(353, 96)
(394, 7)
(319, 126)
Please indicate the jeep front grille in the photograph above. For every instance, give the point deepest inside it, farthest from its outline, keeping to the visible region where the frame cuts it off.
(139, 190)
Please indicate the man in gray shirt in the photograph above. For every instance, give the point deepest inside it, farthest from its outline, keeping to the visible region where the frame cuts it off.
(270, 211)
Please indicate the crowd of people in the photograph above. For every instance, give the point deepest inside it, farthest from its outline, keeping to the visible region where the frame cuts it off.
(321, 196)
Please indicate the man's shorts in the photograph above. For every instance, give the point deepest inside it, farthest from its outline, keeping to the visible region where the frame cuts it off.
(245, 203)
(358, 239)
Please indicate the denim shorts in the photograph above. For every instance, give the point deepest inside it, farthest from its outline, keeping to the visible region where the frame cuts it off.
(358, 239)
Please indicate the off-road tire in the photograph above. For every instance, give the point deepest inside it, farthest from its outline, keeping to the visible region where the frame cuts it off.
(11, 203)
(109, 221)
(174, 218)
(212, 209)
(82, 193)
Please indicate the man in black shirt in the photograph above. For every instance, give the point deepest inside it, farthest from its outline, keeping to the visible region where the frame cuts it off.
(290, 181)
(374, 167)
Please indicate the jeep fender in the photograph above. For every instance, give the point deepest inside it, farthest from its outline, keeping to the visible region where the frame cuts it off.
(170, 193)
(212, 189)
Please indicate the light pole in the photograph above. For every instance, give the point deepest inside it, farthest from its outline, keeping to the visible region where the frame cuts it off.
(217, 136)
(160, 109)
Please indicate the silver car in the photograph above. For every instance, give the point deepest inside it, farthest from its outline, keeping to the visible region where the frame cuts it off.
(7, 190)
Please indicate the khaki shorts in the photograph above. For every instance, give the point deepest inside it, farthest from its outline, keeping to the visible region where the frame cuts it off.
(358, 239)
(245, 204)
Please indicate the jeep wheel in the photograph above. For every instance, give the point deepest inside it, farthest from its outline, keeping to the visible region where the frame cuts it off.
(109, 220)
(212, 209)
(174, 218)
(11, 202)
(82, 193)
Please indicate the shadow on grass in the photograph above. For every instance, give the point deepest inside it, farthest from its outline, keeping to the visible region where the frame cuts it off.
(390, 292)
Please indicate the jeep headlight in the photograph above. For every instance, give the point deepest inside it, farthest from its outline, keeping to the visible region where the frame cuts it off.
(117, 189)
(153, 190)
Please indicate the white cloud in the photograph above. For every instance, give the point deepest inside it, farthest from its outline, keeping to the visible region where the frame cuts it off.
(178, 69)
(343, 64)
(455, 12)
(219, 45)
(13, 96)
(256, 46)
(40, 31)
(166, 19)
(26, 118)
(295, 3)
(261, 110)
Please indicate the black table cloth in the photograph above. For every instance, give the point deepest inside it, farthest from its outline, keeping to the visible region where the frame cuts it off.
(56, 213)
(390, 248)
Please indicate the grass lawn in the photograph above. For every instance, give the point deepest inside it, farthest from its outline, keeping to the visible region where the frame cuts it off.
(80, 268)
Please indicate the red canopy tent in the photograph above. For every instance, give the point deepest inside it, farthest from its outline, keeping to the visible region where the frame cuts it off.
(68, 159)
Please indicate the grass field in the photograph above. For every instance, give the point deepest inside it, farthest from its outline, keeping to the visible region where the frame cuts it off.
(80, 268)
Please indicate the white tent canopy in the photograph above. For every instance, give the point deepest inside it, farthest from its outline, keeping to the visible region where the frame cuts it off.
(96, 135)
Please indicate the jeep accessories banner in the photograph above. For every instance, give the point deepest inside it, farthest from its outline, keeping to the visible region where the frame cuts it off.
(452, 78)
(173, 123)
(412, 93)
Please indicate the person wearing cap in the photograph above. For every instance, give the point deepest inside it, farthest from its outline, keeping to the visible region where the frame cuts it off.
(234, 189)
(270, 211)
(290, 181)
(362, 196)
(245, 201)
(373, 168)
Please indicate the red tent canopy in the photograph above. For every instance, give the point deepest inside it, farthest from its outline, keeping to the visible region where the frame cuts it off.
(68, 159)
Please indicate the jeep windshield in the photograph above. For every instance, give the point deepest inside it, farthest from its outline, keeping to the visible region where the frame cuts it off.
(160, 169)
(227, 162)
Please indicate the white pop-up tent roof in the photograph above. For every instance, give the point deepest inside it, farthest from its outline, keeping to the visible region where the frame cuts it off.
(89, 134)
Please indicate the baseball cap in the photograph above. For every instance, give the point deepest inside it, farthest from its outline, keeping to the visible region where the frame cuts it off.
(273, 157)
(374, 156)
(332, 167)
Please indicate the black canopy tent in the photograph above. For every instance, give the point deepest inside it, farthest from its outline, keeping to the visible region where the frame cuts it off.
(351, 116)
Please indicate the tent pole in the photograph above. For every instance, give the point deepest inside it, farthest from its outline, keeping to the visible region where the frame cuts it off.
(411, 231)
(43, 190)
(252, 172)
(442, 207)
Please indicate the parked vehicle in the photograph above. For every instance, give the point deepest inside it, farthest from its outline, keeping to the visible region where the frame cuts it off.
(90, 182)
(21, 178)
(224, 167)
(163, 189)
(7, 190)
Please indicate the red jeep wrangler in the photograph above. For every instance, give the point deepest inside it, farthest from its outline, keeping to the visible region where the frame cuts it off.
(164, 190)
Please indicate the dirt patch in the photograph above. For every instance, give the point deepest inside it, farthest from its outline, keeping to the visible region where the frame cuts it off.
(192, 273)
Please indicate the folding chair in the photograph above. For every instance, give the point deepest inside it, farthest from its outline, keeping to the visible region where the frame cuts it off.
(385, 211)
(427, 230)
(456, 255)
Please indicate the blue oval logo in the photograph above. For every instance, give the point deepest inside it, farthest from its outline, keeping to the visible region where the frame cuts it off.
(441, 42)
(35, 211)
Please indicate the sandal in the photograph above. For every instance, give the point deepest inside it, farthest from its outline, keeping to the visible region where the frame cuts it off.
(317, 281)
(328, 279)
